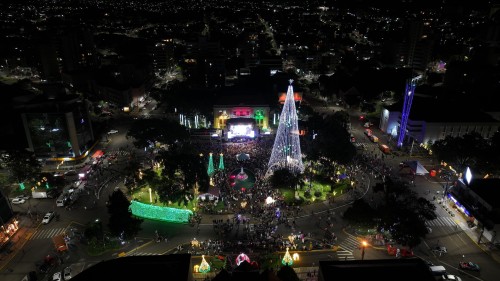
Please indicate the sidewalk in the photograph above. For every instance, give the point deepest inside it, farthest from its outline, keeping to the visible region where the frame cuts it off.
(17, 242)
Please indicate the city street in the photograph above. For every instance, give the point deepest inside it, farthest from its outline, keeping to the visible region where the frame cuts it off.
(447, 231)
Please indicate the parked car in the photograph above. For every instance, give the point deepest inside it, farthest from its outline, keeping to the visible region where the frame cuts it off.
(440, 250)
(18, 200)
(23, 196)
(48, 217)
(67, 273)
(112, 132)
(57, 276)
(451, 277)
(469, 266)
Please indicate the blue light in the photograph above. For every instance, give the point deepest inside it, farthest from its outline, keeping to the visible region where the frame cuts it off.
(409, 93)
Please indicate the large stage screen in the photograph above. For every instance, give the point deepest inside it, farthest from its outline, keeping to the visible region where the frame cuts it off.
(241, 130)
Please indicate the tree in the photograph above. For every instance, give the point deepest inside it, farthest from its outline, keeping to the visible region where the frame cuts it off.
(331, 141)
(283, 178)
(146, 132)
(404, 214)
(23, 165)
(492, 159)
(121, 220)
(361, 213)
(286, 273)
(461, 151)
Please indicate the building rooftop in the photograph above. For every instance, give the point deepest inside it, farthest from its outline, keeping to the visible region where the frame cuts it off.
(412, 269)
(487, 189)
(440, 110)
(170, 267)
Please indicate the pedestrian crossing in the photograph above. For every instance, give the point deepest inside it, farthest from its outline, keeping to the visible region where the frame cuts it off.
(350, 244)
(135, 253)
(347, 247)
(47, 233)
(344, 255)
(441, 221)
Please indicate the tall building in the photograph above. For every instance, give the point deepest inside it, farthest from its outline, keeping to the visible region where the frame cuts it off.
(65, 51)
(56, 125)
(163, 56)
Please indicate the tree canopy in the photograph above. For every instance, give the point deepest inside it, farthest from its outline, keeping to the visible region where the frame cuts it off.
(121, 220)
(462, 151)
(146, 132)
(331, 139)
(403, 214)
(22, 165)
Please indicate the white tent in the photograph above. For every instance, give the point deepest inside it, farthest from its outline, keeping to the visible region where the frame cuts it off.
(417, 168)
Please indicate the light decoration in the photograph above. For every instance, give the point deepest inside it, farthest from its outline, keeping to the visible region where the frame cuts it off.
(468, 175)
(21, 186)
(150, 196)
(204, 266)
(270, 200)
(221, 162)
(259, 115)
(295, 256)
(411, 84)
(286, 151)
(210, 170)
(160, 213)
(287, 258)
(242, 257)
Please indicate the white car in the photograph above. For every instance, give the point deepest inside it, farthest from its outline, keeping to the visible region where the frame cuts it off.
(451, 277)
(48, 217)
(18, 200)
(25, 197)
(57, 276)
(67, 273)
(112, 132)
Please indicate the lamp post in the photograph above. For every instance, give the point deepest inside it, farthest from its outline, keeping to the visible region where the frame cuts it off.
(363, 246)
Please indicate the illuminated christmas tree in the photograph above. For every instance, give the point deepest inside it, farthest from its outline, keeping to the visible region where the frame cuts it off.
(221, 162)
(286, 149)
(204, 266)
(287, 259)
(210, 170)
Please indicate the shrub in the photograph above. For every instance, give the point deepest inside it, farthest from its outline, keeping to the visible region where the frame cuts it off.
(317, 193)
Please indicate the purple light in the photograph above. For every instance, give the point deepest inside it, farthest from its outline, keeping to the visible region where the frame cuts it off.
(409, 91)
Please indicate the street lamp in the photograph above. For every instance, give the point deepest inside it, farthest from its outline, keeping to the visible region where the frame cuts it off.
(363, 246)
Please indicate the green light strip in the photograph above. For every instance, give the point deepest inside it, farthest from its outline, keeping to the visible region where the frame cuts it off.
(160, 213)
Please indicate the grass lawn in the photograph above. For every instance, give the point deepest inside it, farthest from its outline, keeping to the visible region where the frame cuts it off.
(338, 189)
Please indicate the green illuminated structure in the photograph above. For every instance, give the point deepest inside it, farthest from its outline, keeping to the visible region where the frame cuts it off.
(287, 259)
(221, 162)
(204, 266)
(21, 186)
(159, 213)
(211, 169)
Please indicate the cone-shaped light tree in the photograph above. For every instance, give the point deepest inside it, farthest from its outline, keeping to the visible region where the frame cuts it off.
(286, 152)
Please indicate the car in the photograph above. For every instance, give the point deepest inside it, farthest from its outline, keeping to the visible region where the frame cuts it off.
(450, 277)
(57, 276)
(440, 250)
(469, 265)
(48, 217)
(67, 273)
(18, 201)
(112, 132)
(23, 196)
